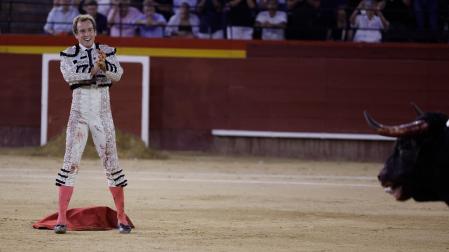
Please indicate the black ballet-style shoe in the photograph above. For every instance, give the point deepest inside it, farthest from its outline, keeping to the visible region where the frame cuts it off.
(60, 229)
(124, 229)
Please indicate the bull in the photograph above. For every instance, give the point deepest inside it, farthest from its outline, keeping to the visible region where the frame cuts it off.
(418, 168)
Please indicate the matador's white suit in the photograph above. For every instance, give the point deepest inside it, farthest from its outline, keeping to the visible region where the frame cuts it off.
(90, 110)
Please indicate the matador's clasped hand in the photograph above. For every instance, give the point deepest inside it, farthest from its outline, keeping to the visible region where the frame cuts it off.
(101, 60)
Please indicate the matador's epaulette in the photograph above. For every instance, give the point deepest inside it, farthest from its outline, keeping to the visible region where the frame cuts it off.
(107, 49)
(71, 51)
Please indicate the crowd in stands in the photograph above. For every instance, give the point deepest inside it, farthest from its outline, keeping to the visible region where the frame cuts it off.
(339, 20)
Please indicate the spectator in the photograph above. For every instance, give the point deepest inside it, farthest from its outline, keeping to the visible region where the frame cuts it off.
(183, 24)
(151, 24)
(211, 19)
(79, 5)
(293, 7)
(272, 21)
(177, 4)
(122, 19)
(164, 7)
(426, 13)
(91, 7)
(240, 19)
(399, 14)
(331, 11)
(60, 17)
(444, 19)
(332, 6)
(306, 20)
(263, 4)
(104, 6)
(368, 23)
(339, 30)
(293, 4)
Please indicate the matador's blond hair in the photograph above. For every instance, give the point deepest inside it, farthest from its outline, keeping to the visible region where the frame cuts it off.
(82, 18)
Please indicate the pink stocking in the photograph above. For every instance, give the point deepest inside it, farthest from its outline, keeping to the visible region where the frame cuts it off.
(119, 200)
(65, 193)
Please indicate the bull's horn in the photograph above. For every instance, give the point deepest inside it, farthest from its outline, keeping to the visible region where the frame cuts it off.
(407, 129)
(371, 122)
(418, 110)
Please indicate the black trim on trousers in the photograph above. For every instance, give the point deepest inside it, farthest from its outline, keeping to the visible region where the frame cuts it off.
(75, 86)
(123, 183)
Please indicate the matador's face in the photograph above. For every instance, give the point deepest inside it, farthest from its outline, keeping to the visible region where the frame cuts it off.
(86, 33)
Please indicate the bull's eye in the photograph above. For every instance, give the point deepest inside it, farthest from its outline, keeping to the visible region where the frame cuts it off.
(405, 153)
(406, 145)
(408, 150)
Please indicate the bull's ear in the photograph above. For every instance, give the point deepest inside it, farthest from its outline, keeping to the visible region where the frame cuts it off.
(418, 110)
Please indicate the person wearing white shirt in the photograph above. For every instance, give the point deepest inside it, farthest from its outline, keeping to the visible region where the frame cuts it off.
(104, 6)
(263, 4)
(151, 24)
(211, 19)
(240, 19)
(183, 23)
(122, 19)
(177, 4)
(59, 19)
(369, 23)
(272, 21)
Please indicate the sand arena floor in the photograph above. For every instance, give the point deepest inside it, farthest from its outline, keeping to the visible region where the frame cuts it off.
(210, 203)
